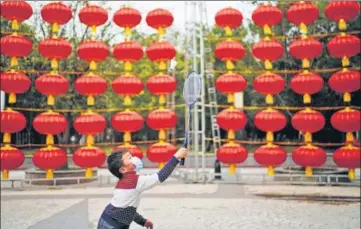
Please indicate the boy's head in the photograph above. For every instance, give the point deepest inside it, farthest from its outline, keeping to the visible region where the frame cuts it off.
(119, 163)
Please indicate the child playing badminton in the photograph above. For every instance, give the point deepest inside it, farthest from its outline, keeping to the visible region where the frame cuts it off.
(122, 209)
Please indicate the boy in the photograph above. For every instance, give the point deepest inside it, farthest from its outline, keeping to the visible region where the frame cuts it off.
(122, 209)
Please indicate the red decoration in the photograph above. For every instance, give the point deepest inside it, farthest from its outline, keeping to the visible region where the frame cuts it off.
(127, 122)
(348, 157)
(266, 16)
(127, 85)
(55, 49)
(91, 85)
(271, 156)
(90, 124)
(89, 157)
(93, 16)
(161, 153)
(49, 158)
(270, 121)
(232, 154)
(344, 46)
(16, 11)
(14, 83)
(306, 84)
(15, 46)
(11, 122)
(52, 85)
(50, 123)
(161, 85)
(302, 14)
(305, 49)
(11, 158)
(230, 83)
(346, 120)
(56, 13)
(345, 81)
(231, 119)
(129, 52)
(342, 12)
(135, 151)
(229, 51)
(269, 84)
(93, 51)
(228, 18)
(161, 120)
(161, 52)
(159, 19)
(127, 18)
(309, 156)
(308, 121)
(268, 50)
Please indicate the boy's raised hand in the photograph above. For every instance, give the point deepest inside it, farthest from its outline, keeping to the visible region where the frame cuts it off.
(148, 225)
(181, 153)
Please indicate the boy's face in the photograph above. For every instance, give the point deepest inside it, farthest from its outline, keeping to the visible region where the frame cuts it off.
(128, 166)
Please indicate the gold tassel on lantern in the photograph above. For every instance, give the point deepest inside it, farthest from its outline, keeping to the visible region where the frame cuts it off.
(351, 174)
(306, 98)
(162, 134)
(230, 98)
(269, 99)
(127, 100)
(7, 138)
(303, 27)
(349, 137)
(231, 135)
(161, 31)
(305, 63)
(228, 31)
(14, 62)
(5, 174)
(308, 137)
(94, 29)
(49, 139)
(347, 97)
(49, 174)
(12, 98)
(268, 65)
(90, 100)
(93, 65)
(127, 31)
(162, 65)
(308, 171)
(54, 64)
(342, 25)
(270, 171)
(51, 100)
(269, 137)
(127, 137)
(55, 28)
(89, 140)
(161, 165)
(229, 65)
(88, 172)
(345, 61)
(232, 169)
(162, 99)
(267, 30)
(128, 67)
(14, 25)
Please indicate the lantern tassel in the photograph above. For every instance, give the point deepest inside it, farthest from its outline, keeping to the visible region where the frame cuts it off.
(308, 171)
(161, 31)
(15, 25)
(351, 174)
(51, 100)
(269, 99)
(88, 172)
(162, 135)
(12, 98)
(127, 31)
(94, 29)
(342, 25)
(161, 165)
(231, 135)
(162, 99)
(270, 171)
(306, 98)
(49, 174)
(303, 27)
(14, 61)
(349, 137)
(267, 30)
(93, 65)
(228, 31)
(5, 174)
(162, 66)
(347, 97)
(90, 140)
(55, 28)
(305, 63)
(345, 61)
(308, 137)
(7, 138)
(232, 169)
(54, 64)
(230, 98)
(127, 100)
(229, 65)
(269, 137)
(49, 139)
(127, 137)
(268, 65)
(128, 66)
(90, 100)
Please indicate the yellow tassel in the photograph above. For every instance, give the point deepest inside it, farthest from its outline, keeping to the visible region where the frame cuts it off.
(54, 64)
(49, 174)
(345, 61)
(161, 31)
(349, 137)
(51, 100)
(128, 66)
(93, 65)
(55, 28)
(88, 172)
(230, 98)
(306, 98)
(351, 174)
(90, 100)
(14, 25)
(161, 135)
(162, 99)
(162, 66)
(127, 31)
(5, 174)
(308, 137)
(94, 29)
(127, 100)
(347, 97)
(49, 139)
(231, 135)
(308, 171)
(161, 165)
(267, 30)
(270, 171)
(232, 169)
(303, 27)
(342, 25)
(305, 63)
(12, 98)
(14, 61)
(269, 99)
(269, 137)
(228, 31)
(229, 65)
(7, 138)
(89, 140)
(127, 137)
(268, 65)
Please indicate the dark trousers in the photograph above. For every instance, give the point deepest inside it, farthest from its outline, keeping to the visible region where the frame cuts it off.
(106, 222)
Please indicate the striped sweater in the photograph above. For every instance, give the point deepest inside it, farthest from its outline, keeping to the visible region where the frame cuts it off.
(126, 195)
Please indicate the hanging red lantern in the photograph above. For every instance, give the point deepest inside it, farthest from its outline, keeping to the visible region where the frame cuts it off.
(231, 83)
(229, 18)
(161, 120)
(16, 12)
(161, 85)
(344, 46)
(127, 122)
(309, 156)
(11, 158)
(135, 151)
(159, 19)
(345, 81)
(90, 85)
(232, 154)
(49, 158)
(90, 123)
(308, 121)
(93, 16)
(231, 119)
(161, 52)
(127, 18)
(306, 84)
(342, 12)
(93, 51)
(50, 123)
(13, 83)
(266, 16)
(302, 14)
(129, 52)
(56, 13)
(347, 121)
(127, 85)
(89, 157)
(160, 153)
(267, 50)
(305, 49)
(269, 84)
(269, 121)
(11, 122)
(270, 155)
(348, 157)
(55, 49)
(15, 46)
(52, 85)
(229, 51)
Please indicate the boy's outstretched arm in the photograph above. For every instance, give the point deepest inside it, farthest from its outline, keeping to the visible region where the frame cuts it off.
(139, 219)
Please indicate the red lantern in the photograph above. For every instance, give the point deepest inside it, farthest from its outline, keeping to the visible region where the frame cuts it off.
(342, 12)
(16, 11)
(228, 18)
(345, 81)
(230, 83)
(267, 50)
(11, 158)
(161, 52)
(302, 14)
(161, 120)
(306, 84)
(161, 85)
(127, 18)
(159, 19)
(269, 84)
(50, 123)
(270, 155)
(344, 46)
(308, 121)
(347, 121)
(232, 154)
(14, 83)
(348, 157)
(89, 157)
(309, 156)
(135, 151)
(55, 49)
(90, 124)
(127, 122)
(93, 51)
(49, 158)
(160, 153)
(52, 85)
(129, 52)
(305, 49)
(231, 119)
(56, 13)
(11, 122)
(93, 16)
(127, 85)
(15, 46)
(229, 51)
(267, 16)
(270, 121)
(91, 85)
